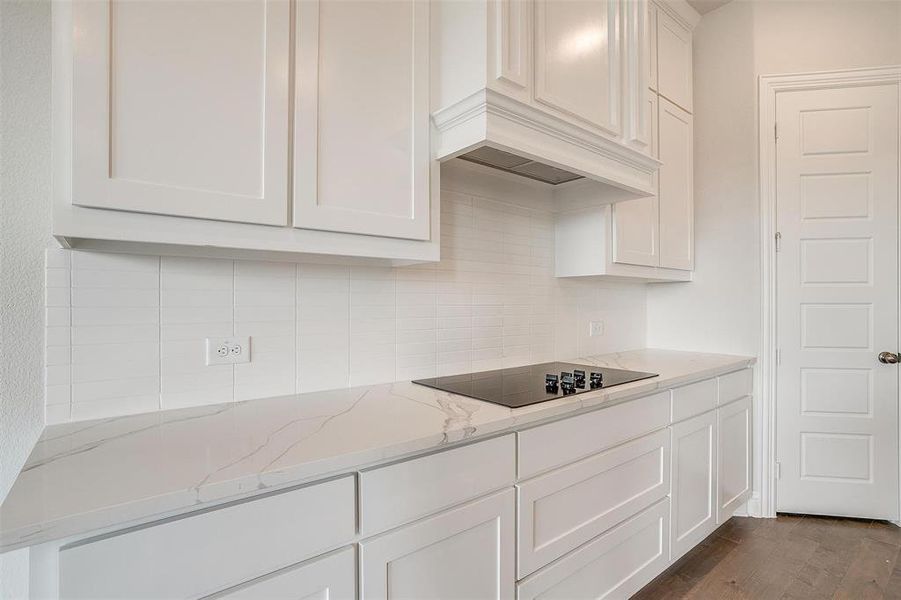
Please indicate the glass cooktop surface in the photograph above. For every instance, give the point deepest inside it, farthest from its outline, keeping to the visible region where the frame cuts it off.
(531, 384)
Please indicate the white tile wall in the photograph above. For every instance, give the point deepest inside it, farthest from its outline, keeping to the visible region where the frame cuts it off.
(125, 333)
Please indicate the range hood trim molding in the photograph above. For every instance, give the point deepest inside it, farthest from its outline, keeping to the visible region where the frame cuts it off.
(488, 118)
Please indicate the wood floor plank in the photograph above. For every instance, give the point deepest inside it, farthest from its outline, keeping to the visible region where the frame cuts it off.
(869, 573)
(790, 557)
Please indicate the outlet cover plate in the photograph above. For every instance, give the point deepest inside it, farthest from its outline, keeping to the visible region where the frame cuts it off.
(595, 328)
(227, 351)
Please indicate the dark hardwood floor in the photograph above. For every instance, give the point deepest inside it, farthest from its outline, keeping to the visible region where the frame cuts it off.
(792, 556)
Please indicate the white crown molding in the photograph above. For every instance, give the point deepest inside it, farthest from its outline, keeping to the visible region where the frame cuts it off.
(493, 119)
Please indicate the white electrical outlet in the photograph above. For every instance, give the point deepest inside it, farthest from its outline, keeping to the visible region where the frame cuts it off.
(595, 328)
(227, 351)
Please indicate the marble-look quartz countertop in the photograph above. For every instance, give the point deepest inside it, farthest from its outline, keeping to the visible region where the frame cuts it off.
(93, 476)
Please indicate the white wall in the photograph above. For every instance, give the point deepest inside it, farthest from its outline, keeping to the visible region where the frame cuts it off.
(126, 333)
(733, 46)
(24, 228)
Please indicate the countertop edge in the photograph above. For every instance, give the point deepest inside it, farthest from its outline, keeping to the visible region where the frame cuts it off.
(147, 510)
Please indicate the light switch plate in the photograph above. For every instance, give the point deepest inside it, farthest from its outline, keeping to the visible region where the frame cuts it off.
(595, 328)
(227, 351)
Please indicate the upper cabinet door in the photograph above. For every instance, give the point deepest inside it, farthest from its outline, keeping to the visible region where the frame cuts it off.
(510, 57)
(635, 77)
(636, 221)
(674, 74)
(577, 60)
(181, 108)
(362, 155)
(675, 177)
(651, 44)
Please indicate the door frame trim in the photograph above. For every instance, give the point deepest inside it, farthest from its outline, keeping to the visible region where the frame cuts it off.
(763, 503)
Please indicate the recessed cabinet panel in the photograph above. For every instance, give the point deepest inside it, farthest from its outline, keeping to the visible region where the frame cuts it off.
(674, 72)
(362, 151)
(181, 108)
(511, 29)
(331, 577)
(567, 507)
(676, 180)
(614, 565)
(465, 552)
(734, 481)
(694, 482)
(636, 222)
(577, 60)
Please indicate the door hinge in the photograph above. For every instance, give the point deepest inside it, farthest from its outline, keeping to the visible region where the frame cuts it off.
(778, 470)
(778, 241)
(778, 357)
(776, 131)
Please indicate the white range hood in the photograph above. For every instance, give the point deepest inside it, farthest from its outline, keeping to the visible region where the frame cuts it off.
(491, 129)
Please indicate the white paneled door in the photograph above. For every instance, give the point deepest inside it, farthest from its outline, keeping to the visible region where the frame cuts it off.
(837, 198)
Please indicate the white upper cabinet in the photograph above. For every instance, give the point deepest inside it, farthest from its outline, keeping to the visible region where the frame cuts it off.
(635, 222)
(651, 237)
(676, 198)
(577, 60)
(362, 150)
(651, 44)
(224, 128)
(674, 71)
(181, 108)
(559, 83)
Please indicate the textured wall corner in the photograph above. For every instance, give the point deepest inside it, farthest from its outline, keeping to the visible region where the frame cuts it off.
(24, 226)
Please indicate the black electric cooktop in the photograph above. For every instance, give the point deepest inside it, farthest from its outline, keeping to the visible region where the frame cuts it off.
(531, 384)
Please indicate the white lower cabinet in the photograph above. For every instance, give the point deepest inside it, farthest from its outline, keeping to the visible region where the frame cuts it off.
(602, 503)
(734, 479)
(614, 565)
(694, 482)
(330, 577)
(567, 507)
(201, 554)
(465, 552)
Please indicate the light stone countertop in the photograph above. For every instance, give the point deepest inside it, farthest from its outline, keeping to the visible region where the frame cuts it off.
(93, 476)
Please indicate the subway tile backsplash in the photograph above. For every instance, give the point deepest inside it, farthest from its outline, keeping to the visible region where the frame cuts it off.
(125, 333)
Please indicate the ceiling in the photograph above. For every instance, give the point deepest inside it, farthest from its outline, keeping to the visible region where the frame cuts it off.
(705, 6)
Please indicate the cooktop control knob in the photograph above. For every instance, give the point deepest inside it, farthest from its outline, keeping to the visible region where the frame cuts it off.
(567, 383)
(550, 383)
(579, 377)
(597, 380)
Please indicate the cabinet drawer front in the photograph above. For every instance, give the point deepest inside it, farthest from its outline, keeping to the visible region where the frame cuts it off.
(694, 399)
(201, 554)
(736, 385)
(333, 577)
(565, 441)
(433, 482)
(563, 509)
(636, 549)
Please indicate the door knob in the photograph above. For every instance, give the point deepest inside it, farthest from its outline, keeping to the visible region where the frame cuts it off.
(889, 358)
